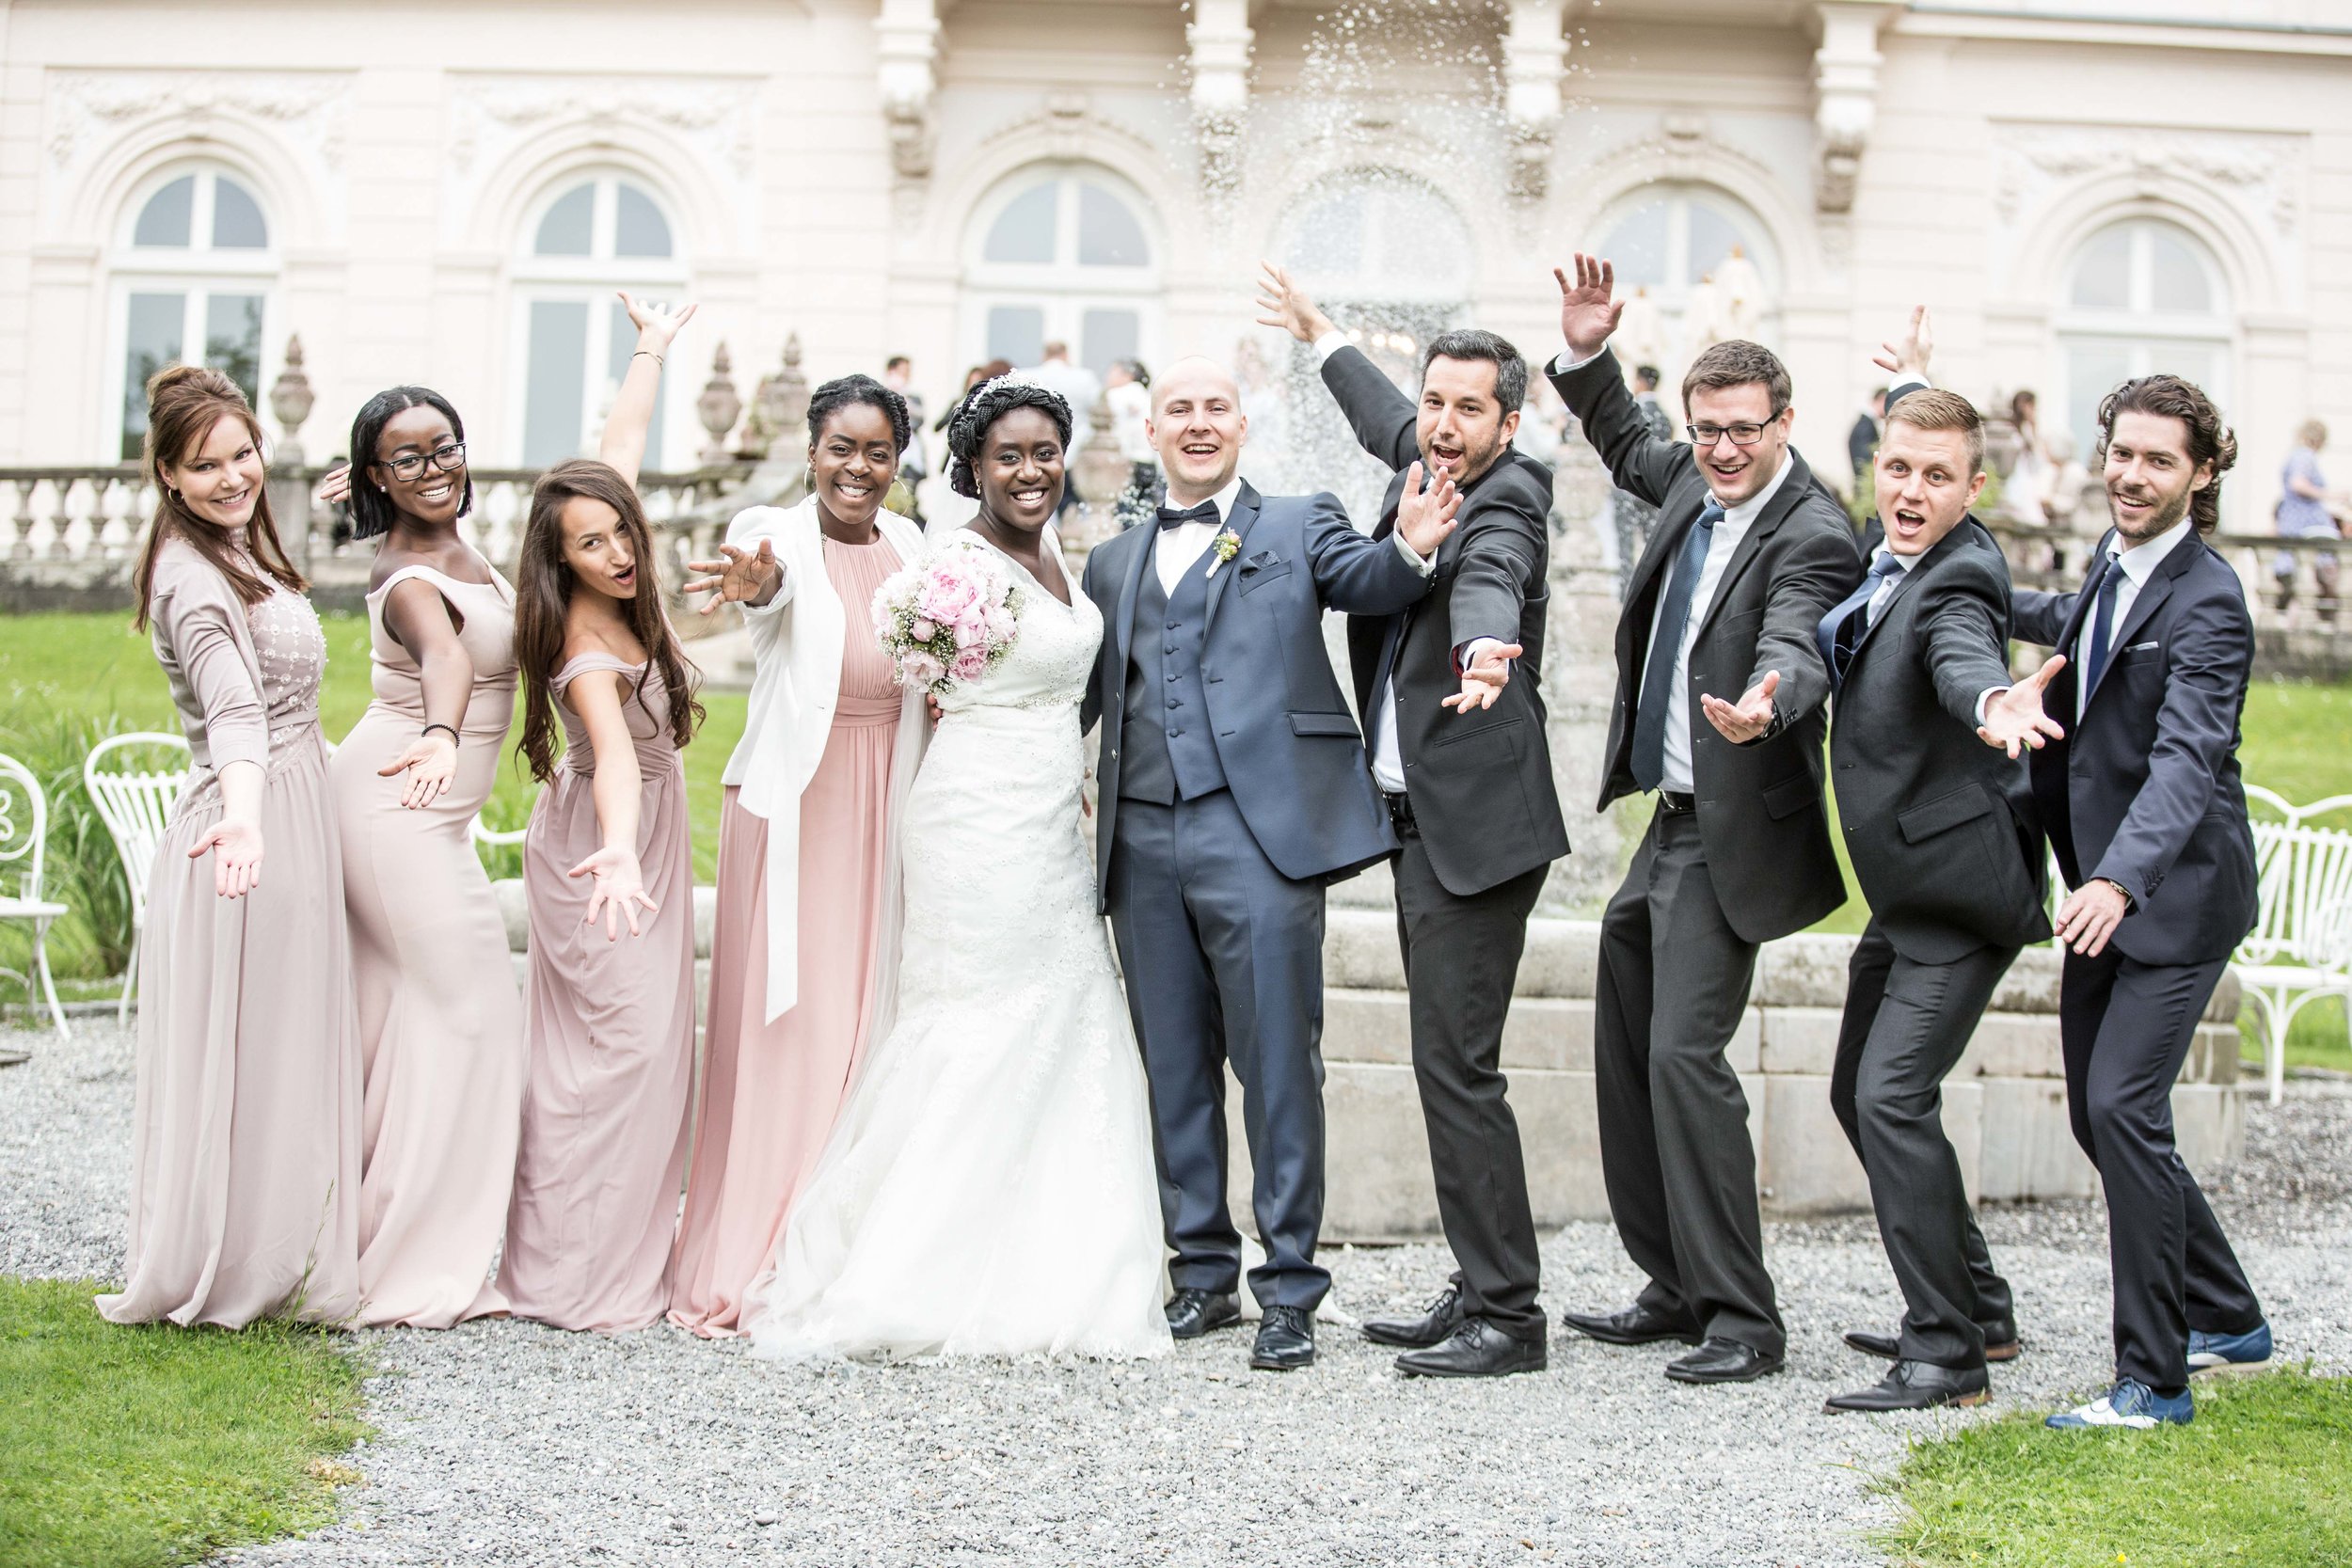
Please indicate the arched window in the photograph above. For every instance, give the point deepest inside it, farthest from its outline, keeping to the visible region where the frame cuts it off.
(592, 235)
(2142, 296)
(193, 269)
(1061, 253)
(1695, 268)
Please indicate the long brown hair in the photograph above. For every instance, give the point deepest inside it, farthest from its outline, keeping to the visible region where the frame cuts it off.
(543, 595)
(2209, 440)
(184, 403)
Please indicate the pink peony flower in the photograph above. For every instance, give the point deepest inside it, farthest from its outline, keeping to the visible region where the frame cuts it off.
(924, 629)
(971, 664)
(920, 669)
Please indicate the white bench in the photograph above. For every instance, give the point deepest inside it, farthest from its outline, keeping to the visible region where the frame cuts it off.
(2300, 948)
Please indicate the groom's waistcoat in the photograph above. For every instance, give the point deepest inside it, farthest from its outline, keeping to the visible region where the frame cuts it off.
(1169, 750)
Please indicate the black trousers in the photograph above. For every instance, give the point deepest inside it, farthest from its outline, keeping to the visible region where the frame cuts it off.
(1675, 1150)
(1461, 961)
(2125, 1028)
(1905, 1025)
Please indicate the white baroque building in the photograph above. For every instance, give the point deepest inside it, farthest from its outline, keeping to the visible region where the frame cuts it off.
(448, 193)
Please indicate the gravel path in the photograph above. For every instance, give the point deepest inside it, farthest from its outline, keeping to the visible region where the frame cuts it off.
(507, 1443)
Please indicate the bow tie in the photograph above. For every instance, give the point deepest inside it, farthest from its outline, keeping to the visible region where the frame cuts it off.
(1205, 512)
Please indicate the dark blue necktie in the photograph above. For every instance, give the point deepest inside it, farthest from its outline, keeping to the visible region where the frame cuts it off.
(2102, 626)
(1665, 650)
(1205, 512)
(1840, 631)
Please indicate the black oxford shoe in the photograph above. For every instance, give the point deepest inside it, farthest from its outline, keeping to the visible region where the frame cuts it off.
(1916, 1386)
(1636, 1325)
(1192, 1313)
(1286, 1341)
(2000, 1342)
(1442, 1317)
(1476, 1349)
(1721, 1360)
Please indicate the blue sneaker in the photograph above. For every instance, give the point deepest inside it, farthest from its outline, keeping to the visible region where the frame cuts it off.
(2128, 1404)
(2229, 1352)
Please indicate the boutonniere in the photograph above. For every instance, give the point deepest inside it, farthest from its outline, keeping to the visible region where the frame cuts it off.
(1227, 545)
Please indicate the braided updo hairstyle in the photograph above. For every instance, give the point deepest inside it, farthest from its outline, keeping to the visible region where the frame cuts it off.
(844, 391)
(968, 431)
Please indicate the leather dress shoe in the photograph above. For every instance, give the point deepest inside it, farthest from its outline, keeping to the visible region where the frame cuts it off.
(1192, 1313)
(1916, 1386)
(1722, 1360)
(1434, 1327)
(1636, 1325)
(2000, 1342)
(1476, 1349)
(1286, 1341)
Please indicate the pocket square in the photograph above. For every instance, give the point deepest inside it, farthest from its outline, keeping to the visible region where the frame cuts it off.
(2139, 647)
(1260, 562)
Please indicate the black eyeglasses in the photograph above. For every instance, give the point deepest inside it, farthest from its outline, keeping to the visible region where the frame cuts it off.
(1742, 435)
(407, 467)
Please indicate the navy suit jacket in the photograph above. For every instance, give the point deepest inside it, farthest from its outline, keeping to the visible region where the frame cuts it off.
(2144, 791)
(1293, 756)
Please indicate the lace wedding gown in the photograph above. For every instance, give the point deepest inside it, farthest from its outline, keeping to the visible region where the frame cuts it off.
(989, 1189)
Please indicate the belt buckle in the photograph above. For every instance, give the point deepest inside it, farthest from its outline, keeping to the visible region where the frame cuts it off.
(1400, 811)
(1676, 805)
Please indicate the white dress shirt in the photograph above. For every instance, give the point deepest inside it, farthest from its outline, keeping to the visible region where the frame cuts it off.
(2138, 564)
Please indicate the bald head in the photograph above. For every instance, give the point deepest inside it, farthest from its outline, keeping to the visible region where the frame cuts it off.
(1197, 427)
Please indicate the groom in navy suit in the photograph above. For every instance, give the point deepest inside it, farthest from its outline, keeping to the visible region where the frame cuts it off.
(1233, 789)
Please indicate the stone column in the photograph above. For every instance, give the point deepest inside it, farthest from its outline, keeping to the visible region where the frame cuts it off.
(1534, 57)
(1219, 36)
(290, 403)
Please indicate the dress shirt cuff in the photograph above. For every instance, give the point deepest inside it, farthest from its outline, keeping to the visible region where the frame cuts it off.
(1329, 344)
(1984, 700)
(1565, 360)
(1466, 655)
(1426, 564)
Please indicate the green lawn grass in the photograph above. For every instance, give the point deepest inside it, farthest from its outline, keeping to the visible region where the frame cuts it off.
(123, 1447)
(2263, 1478)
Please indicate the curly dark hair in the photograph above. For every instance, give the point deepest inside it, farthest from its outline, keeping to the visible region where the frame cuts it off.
(2209, 440)
(372, 510)
(968, 431)
(843, 391)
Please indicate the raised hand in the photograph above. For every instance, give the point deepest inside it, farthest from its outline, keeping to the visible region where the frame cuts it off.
(1426, 518)
(1485, 678)
(1907, 360)
(2015, 717)
(333, 486)
(657, 325)
(1742, 721)
(431, 764)
(1587, 314)
(236, 850)
(619, 891)
(1282, 303)
(752, 574)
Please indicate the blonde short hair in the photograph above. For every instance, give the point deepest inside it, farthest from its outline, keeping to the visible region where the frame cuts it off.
(1934, 408)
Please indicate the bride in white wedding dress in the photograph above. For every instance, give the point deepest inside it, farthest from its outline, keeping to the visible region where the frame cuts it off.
(989, 1189)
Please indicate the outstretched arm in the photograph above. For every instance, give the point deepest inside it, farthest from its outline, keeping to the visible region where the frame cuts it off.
(1361, 576)
(1789, 681)
(619, 888)
(624, 428)
(1591, 381)
(1381, 416)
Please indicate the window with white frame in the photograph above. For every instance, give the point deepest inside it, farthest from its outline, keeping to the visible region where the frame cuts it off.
(591, 236)
(2142, 296)
(1695, 268)
(1061, 253)
(193, 269)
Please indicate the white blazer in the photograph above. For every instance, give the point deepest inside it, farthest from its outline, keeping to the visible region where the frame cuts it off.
(796, 683)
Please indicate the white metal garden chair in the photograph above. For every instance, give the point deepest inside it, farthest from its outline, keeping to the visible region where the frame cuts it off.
(2300, 948)
(23, 840)
(135, 780)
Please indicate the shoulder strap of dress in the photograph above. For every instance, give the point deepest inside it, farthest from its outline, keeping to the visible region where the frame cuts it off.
(581, 664)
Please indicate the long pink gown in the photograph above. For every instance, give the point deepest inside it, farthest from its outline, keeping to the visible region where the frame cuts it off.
(611, 1039)
(244, 1154)
(771, 1091)
(441, 1019)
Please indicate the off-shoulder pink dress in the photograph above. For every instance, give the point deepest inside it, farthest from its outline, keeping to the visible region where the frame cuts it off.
(440, 1017)
(244, 1154)
(612, 1039)
(772, 1091)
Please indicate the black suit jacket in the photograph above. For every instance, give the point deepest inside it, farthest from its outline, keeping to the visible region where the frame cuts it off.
(2144, 791)
(1759, 805)
(1480, 781)
(1939, 826)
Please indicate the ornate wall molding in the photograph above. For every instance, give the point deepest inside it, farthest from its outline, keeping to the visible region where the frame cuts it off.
(1846, 88)
(2261, 172)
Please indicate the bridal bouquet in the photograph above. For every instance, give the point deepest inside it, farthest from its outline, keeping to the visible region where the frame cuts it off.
(948, 619)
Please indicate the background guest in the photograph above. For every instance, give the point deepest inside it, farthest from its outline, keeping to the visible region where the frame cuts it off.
(610, 1028)
(245, 1164)
(914, 464)
(806, 938)
(1862, 442)
(1127, 388)
(2303, 514)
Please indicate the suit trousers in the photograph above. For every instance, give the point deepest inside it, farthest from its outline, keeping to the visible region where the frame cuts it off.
(1675, 1155)
(1906, 1025)
(2125, 1028)
(1223, 957)
(1461, 964)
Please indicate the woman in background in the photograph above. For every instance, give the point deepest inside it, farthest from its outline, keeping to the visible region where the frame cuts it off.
(806, 932)
(245, 1165)
(610, 1026)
